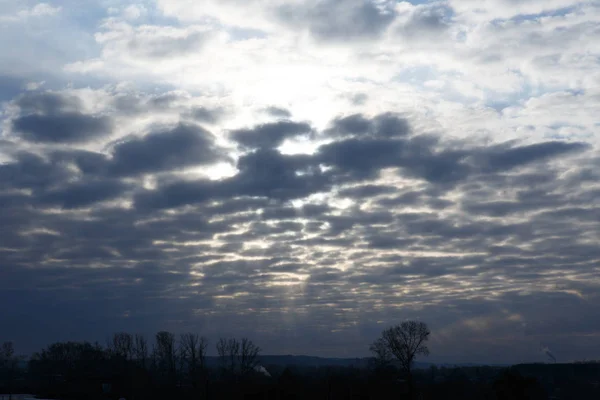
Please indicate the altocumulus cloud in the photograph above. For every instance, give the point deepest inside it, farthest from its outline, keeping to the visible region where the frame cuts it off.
(381, 221)
(52, 119)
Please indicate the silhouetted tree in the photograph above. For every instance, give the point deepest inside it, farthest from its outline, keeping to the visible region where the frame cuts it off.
(165, 354)
(405, 342)
(8, 365)
(193, 355)
(140, 350)
(383, 354)
(121, 346)
(140, 374)
(228, 351)
(69, 367)
(248, 358)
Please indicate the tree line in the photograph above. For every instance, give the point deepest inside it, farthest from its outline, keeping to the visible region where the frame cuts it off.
(128, 365)
(177, 366)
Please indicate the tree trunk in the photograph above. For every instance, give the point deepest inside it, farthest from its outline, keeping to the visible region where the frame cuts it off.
(411, 389)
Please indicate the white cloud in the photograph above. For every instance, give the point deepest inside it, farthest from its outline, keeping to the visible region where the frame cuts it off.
(34, 85)
(486, 10)
(42, 9)
(134, 11)
(39, 10)
(482, 63)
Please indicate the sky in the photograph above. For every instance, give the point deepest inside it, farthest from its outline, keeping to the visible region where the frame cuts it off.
(305, 173)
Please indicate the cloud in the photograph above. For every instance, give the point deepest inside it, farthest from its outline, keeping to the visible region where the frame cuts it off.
(508, 8)
(37, 11)
(268, 173)
(514, 157)
(204, 114)
(441, 164)
(88, 162)
(270, 135)
(332, 20)
(427, 21)
(52, 118)
(166, 150)
(84, 194)
(31, 171)
(262, 173)
(386, 125)
(364, 158)
(177, 194)
(278, 112)
(41, 9)
(62, 128)
(134, 11)
(151, 42)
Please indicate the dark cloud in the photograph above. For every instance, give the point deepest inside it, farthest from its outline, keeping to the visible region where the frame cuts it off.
(278, 112)
(353, 124)
(84, 194)
(362, 158)
(367, 146)
(178, 194)
(427, 20)
(263, 173)
(160, 46)
(268, 173)
(62, 128)
(506, 159)
(47, 117)
(479, 241)
(332, 20)
(32, 171)
(205, 114)
(270, 135)
(388, 125)
(182, 146)
(47, 103)
(88, 162)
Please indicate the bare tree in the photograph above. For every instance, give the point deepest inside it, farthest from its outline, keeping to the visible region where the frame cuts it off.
(238, 356)
(8, 364)
(121, 345)
(222, 351)
(228, 350)
(7, 351)
(383, 355)
(193, 354)
(164, 354)
(140, 350)
(405, 342)
(248, 358)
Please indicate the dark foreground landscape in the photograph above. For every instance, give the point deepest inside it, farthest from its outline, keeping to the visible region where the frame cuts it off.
(169, 370)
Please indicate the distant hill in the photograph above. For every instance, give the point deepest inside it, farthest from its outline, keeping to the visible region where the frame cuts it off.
(311, 361)
(302, 361)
